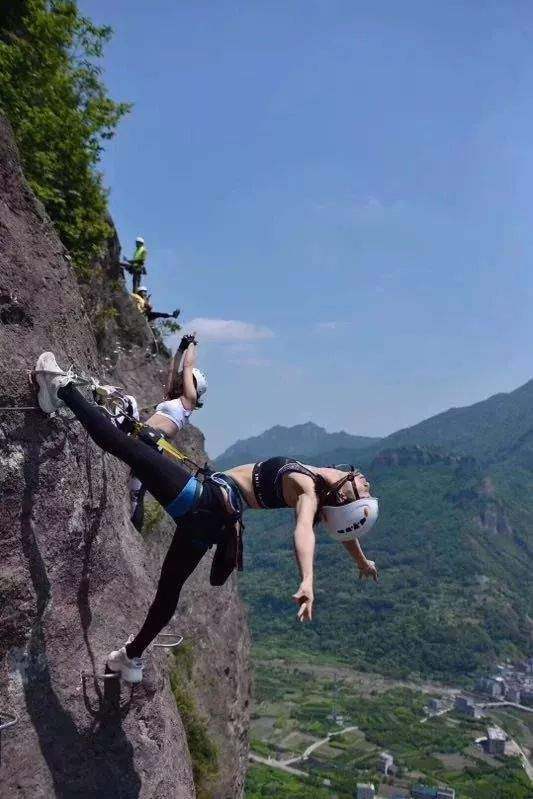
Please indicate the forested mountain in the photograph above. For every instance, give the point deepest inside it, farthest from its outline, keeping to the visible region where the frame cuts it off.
(300, 441)
(454, 545)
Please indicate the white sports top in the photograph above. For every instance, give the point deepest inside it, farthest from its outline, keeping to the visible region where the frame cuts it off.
(174, 410)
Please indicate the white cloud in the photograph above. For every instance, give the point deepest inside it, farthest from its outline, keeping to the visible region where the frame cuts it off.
(321, 326)
(227, 330)
(372, 204)
(253, 362)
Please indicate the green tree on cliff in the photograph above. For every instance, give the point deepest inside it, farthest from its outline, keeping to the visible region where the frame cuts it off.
(52, 93)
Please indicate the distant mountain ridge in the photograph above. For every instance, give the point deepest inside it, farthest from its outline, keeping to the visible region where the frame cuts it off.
(484, 429)
(298, 441)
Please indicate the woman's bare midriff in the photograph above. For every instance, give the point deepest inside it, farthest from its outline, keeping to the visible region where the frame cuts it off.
(163, 423)
(243, 477)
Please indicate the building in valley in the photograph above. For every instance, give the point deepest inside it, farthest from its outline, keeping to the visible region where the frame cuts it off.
(495, 743)
(386, 764)
(427, 792)
(365, 790)
(526, 696)
(467, 707)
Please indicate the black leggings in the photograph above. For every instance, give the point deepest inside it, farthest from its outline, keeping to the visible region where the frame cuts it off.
(164, 479)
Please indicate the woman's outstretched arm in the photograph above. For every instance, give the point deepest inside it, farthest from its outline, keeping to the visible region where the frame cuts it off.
(189, 397)
(304, 550)
(173, 373)
(367, 568)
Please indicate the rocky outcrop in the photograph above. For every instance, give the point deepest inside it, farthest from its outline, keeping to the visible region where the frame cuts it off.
(420, 456)
(478, 497)
(75, 577)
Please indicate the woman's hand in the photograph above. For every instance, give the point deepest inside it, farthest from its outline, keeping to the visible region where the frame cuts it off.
(305, 598)
(367, 568)
(188, 338)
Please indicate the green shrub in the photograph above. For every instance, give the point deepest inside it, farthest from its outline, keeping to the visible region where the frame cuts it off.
(52, 93)
(153, 513)
(204, 753)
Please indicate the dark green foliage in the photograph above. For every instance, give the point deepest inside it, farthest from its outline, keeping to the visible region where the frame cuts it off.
(153, 515)
(265, 783)
(509, 782)
(204, 753)
(52, 93)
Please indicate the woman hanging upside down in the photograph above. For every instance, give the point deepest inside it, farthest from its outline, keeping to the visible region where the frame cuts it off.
(209, 513)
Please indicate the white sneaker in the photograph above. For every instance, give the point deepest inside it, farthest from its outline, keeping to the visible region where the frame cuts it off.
(131, 669)
(50, 378)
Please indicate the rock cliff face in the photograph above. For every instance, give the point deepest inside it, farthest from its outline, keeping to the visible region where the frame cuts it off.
(75, 577)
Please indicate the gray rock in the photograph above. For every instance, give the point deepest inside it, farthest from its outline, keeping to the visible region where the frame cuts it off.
(75, 577)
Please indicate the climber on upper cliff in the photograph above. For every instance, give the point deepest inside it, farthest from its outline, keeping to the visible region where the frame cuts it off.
(141, 298)
(136, 266)
(210, 512)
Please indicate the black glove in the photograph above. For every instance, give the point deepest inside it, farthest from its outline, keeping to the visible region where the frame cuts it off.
(176, 313)
(185, 341)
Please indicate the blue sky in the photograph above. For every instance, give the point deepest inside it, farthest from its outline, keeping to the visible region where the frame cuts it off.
(337, 194)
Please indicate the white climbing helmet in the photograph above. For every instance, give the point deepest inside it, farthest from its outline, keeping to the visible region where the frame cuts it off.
(139, 240)
(352, 520)
(200, 381)
(142, 288)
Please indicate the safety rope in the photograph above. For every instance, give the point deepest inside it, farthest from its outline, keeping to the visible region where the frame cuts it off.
(98, 676)
(176, 641)
(21, 408)
(11, 720)
(79, 380)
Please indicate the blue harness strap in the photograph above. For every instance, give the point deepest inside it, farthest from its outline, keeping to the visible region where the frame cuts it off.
(185, 499)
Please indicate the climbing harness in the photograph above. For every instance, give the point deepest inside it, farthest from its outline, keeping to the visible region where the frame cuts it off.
(229, 552)
(116, 407)
(113, 675)
(7, 720)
